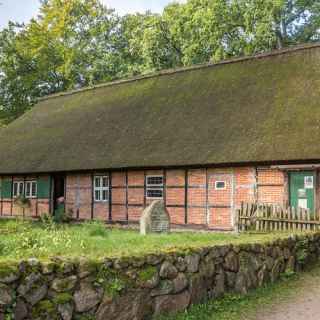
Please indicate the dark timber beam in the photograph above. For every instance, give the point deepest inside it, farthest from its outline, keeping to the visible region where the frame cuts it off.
(110, 196)
(186, 197)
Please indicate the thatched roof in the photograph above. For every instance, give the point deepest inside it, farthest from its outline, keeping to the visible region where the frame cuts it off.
(259, 109)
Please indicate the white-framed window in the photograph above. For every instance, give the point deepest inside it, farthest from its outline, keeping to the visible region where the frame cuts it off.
(30, 189)
(154, 187)
(220, 185)
(18, 189)
(101, 188)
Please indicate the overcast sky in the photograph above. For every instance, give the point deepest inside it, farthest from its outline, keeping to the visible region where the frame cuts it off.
(23, 10)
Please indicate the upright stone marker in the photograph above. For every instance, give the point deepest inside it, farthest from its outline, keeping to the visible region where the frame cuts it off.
(155, 219)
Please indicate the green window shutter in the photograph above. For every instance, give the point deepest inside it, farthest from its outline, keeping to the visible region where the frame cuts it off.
(43, 187)
(6, 189)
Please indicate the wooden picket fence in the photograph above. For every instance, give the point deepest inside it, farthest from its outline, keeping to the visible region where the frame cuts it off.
(266, 217)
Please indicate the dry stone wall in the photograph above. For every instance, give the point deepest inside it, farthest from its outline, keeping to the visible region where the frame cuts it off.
(144, 287)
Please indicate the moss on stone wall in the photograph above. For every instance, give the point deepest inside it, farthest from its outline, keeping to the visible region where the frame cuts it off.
(139, 288)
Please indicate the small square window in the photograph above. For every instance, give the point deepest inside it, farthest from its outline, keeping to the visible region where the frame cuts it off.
(154, 187)
(220, 185)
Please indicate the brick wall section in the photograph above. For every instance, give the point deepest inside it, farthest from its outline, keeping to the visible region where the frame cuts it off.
(119, 190)
(271, 186)
(175, 195)
(197, 210)
(136, 196)
(245, 185)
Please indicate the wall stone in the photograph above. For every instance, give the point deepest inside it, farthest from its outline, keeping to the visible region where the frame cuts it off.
(142, 287)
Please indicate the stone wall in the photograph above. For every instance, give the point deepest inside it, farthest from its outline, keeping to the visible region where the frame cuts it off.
(140, 288)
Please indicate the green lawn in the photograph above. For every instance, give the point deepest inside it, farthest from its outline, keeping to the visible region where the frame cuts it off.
(23, 239)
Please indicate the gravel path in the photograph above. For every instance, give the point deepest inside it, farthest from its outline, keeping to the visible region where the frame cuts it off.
(303, 305)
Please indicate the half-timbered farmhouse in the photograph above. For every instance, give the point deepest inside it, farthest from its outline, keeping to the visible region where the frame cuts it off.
(203, 139)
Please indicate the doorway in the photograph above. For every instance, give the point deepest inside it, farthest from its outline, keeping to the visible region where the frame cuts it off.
(220, 194)
(302, 189)
(58, 192)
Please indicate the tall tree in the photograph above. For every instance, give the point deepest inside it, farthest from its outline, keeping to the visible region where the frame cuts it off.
(71, 44)
(17, 87)
(297, 21)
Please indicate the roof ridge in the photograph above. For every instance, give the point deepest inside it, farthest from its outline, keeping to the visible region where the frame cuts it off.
(165, 72)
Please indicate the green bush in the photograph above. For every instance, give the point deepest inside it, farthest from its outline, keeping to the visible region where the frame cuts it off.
(97, 229)
(61, 216)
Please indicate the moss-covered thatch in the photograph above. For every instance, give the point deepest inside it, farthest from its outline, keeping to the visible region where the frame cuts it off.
(261, 109)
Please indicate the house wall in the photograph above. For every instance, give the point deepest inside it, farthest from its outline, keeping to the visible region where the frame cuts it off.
(189, 194)
(38, 205)
(272, 186)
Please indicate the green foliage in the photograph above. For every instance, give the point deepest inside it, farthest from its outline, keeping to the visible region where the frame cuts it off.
(147, 273)
(114, 287)
(61, 216)
(112, 283)
(22, 202)
(80, 42)
(302, 251)
(70, 44)
(62, 298)
(44, 309)
(47, 221)
(97, 229)
(85, 317)
(8, 268)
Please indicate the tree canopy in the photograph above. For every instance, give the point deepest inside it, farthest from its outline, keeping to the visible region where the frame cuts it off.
(76, 43)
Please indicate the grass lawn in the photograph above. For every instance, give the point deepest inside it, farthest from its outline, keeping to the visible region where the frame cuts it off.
(235, 307)
(21, 239)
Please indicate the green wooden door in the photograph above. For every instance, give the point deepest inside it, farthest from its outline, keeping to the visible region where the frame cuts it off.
(302, 189)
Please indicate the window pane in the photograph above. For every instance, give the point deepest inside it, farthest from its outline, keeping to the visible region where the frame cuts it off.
(154, 193)
(220, 184)
(15, 189)
(28, 191)
(105, 195)
(97, 182)
(105, 181)
(97, 195)
(155, 180)
(34, 189)
(20, 188)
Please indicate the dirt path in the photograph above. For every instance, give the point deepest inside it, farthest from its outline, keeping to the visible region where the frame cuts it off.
(303, 304)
